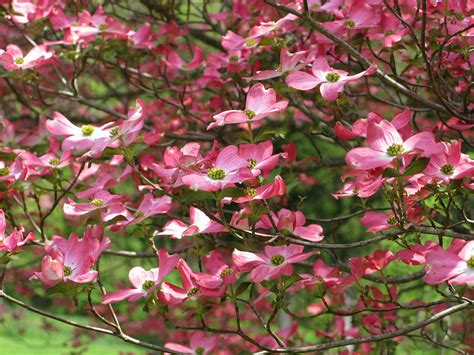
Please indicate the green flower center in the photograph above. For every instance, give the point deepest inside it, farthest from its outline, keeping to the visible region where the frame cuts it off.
(97, 202)
(277, 259)
(87, 130)
(67, 270)
(250, 114)
(226, 272)
(147, 285)
(470, 262)
(199, 351)
(54, 161)
(114, 132)
(193, 291)
(233, 58)
(395, 150)
(138, 214)
(103, 26)
(447, 169)
(388, 32)
(250, 191)
(252, 163)
(333, 77)
(350, 23)
(216, 174)
(392, 220)
(4, 171)
(251, 42)
(19, 60)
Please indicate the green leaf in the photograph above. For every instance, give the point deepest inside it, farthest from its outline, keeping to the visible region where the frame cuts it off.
(231, 192)
(242, 287)
(62, 288)
(416, 166)
(390, 172)
(191, 196)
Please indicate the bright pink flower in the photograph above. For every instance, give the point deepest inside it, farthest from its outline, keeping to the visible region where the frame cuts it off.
(14, 172)
(15, 240)
(86, 138)
(450, 165)
(378, 221)
(219, 274)
(294, 223)
(200, 343)
(260, 103)
(288, 63)
(455, 266)
(128, 130)
(259, 157)
(174, 61)
(386, 145)
(369, 264)
(188, 278)
(275, 261)
(229, 168)
(100, 201)
(333, 279)
(25, 11)
(332, 80)
(263, 192)
(72, 259)
(199, 223)
(416, 254)
(145, 282)
(13, 59)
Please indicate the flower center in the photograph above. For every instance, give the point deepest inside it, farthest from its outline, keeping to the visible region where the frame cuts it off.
(395, 150)
(333, 77)
(226, 272)
(103, 26)
(249, 113)
(147, 285)
(19, 60)
(114, 132)
(193, 291)
(138, 214)
(470, 262)
(252, 163)
(4, 171)
(388, 32)
(251, 42)
(277, 259)
(392, 220)
(447, 169)
(54, 161)
(199, 351)
(67, 270)
(216, 174)
(97, 202)
(350, 23)
(250, 191)
(87, 130)
(233, 58)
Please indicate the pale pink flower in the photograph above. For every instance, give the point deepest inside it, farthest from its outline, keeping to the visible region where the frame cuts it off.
(288, 63)
(199, 223)
(13, 59)
(332, 81)
(275, 261)
(145, 282)
(263, 192)
(260, 157)
(450, 165)
(260, 103)
(200, 344)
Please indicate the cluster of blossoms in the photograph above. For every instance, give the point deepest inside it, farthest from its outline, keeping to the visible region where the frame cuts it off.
(204, 149)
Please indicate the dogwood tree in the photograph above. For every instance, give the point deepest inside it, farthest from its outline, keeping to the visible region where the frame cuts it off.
(225, 177)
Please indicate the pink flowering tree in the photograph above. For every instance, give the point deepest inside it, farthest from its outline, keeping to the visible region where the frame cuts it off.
(244, 176)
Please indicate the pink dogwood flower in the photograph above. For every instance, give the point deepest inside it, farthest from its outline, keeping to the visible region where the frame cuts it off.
(200, 344)
(450, 165)
(100, 201)
(275, 261)
(85, 138)
(332, 81)
(199, 223)
(260, 157)
(13, 242)
(72, 259)
(145, 282)
(229, 168)
(294, 223)
(260, 103)
(13, 59)
(386, 145)
(263, 192)
(288, 63)
(455, 265)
